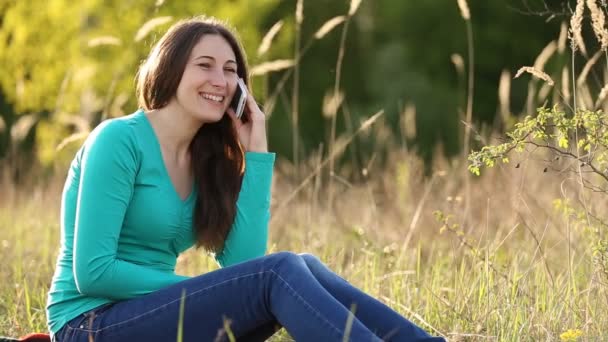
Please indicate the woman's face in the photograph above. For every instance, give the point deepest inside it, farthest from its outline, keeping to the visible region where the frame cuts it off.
(209, 79)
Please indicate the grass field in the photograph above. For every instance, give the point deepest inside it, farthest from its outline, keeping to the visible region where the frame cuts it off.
(516, 269)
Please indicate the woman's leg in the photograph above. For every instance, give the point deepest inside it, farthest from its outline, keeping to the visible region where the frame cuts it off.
(382, 320)
(277, 287)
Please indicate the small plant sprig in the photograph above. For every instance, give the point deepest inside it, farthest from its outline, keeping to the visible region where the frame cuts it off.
(590, 224)
(468, 242)
(571, 335)
(581, 138)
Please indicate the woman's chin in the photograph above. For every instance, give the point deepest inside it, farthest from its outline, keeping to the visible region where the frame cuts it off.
(209, 116)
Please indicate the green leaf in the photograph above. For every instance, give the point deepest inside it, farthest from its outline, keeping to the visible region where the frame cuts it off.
(563, 142)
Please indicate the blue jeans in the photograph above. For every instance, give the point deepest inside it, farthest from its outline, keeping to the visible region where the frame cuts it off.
(249, 301)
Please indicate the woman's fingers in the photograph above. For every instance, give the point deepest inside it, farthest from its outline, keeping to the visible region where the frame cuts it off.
(231, 114)
(255, 113)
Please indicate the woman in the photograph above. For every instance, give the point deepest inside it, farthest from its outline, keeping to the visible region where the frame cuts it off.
(182, 171)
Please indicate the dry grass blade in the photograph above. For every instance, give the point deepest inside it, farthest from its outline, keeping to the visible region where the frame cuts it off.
(408, 121)
(504, 90)
(329, 25)
(544, 92)
(22, 127)
(458, 62)
(72, 138)
(370, 121)
(267, 40)
(544, 56)
(354, 5)
(563, 38)
(576, 25)
(417, 213)
(349, 322)
(600, 98)
(367, 123)
(331, 103)
(539, 74)
(566, 84)
(300, 11)
(180, 321)
(583, 75)
(464, 9)
(598, 21)
(585, 98)
(276, 65)
(149, 26)
(104, 40)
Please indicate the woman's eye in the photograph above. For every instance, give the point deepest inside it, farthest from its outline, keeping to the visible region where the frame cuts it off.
(204, 65)
(230, 70)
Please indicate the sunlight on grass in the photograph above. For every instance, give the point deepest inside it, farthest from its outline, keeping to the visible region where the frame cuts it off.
(505, 276)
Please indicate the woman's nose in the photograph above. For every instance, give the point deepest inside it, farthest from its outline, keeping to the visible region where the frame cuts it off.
(218, 79)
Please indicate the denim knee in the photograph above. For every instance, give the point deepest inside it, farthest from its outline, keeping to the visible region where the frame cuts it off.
(313, 262)
(286, 261)
(309, 258)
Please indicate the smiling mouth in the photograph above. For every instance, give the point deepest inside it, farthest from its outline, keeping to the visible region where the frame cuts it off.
(216, 98)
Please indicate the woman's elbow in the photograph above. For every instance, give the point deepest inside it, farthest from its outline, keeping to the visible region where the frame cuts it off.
(83, 284)
(85, 280)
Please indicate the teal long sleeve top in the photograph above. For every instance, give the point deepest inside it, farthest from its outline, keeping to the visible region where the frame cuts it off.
(123, 224)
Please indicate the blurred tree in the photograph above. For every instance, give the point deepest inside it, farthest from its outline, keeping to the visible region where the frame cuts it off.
(67, 65)
(416, 40)
(400, 52)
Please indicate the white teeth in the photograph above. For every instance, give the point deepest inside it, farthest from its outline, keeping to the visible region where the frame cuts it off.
(213, 97)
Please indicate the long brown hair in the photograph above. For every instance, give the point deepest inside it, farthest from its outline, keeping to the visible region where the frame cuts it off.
(217, 157)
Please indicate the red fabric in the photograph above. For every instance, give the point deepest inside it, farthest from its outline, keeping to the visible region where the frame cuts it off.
(36, 337)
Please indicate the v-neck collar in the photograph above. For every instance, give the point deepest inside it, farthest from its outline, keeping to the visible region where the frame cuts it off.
(161, 161)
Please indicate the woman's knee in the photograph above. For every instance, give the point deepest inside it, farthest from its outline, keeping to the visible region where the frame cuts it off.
(310, 259)
(314, 264)
(286, 258)
(290, 261)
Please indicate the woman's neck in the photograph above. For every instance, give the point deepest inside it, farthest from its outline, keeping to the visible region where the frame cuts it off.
(174, 128)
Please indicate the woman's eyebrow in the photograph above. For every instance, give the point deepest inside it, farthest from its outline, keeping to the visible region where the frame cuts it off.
(211, 57)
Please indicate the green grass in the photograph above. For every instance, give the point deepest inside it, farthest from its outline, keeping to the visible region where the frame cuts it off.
(517, 271)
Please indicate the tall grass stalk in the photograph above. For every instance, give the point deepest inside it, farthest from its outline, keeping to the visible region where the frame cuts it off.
(295, 98)
(349, 322)
(466, 15)
(268, 37)
(228, 331)
(576, 44)
(354, 5)
(180, 321)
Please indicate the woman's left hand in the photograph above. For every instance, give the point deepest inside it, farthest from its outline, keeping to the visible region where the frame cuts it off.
(252, 134)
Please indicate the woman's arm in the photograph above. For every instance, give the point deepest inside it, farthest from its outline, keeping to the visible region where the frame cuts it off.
(248, 236)
(108, 166)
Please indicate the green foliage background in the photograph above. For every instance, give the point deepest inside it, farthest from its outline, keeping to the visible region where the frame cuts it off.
(67, 65)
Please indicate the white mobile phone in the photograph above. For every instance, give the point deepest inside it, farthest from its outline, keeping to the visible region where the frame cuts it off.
(239, 99)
